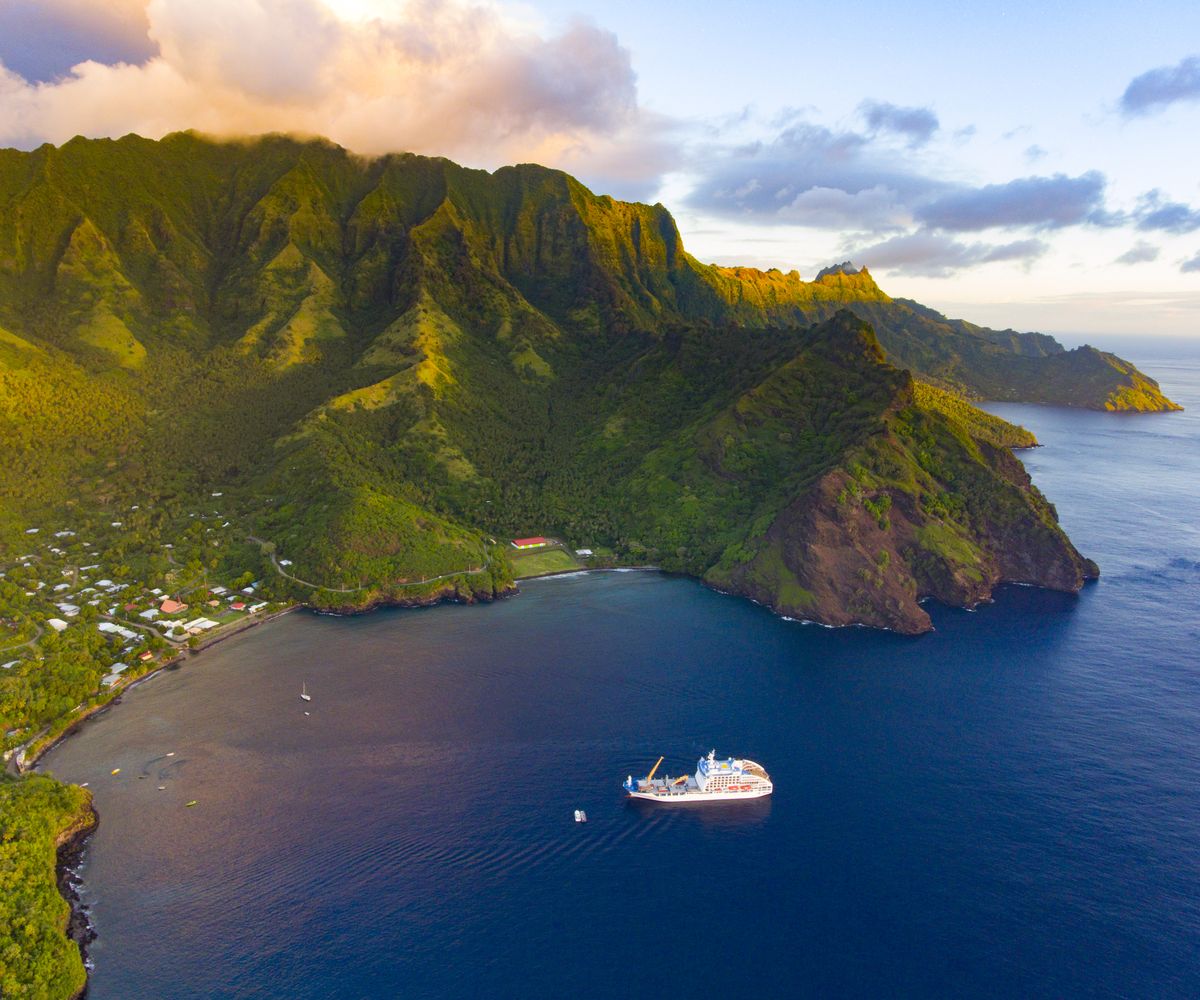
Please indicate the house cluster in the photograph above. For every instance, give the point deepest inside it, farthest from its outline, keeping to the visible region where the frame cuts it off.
(129, 613)
(179, 628)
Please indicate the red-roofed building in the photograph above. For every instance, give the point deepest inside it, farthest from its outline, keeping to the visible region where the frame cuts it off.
(146, 656)
(170, 607)
(238, 605)
(530, 543)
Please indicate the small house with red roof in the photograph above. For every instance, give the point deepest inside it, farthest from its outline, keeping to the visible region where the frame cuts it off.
(171, 607)
(537, 542)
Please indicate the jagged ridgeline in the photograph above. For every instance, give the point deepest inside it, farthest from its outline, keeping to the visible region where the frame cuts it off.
(400, 357)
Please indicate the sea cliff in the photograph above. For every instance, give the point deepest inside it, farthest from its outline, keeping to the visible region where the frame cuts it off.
(42, 822)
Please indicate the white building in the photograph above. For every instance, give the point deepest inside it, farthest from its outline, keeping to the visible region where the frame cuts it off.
(200, 625)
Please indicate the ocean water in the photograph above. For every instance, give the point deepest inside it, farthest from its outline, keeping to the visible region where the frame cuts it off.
(1008, 807)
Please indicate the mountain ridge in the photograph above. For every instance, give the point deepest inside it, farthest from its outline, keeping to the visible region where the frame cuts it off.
(391, 359)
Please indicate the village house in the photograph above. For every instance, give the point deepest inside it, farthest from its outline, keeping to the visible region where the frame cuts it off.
(114, 674)
(536, 542)
(199, 625)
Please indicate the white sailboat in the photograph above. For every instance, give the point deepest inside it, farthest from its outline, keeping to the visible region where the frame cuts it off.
(304, 695)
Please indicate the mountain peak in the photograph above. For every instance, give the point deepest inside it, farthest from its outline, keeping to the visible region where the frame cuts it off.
(845, 267)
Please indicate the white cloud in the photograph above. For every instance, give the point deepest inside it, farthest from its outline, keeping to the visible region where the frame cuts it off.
(447, 77)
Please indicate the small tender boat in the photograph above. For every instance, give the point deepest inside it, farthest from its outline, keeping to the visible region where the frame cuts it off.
(304, 695)
(580, 816)
(714, 781)
(192, 803)
(115, 770)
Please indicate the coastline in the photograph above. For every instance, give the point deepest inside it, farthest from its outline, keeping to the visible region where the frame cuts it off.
(70, 848)
(30, 761)
(27, 762)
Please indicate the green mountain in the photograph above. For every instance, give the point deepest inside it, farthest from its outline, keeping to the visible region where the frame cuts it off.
(392, 361)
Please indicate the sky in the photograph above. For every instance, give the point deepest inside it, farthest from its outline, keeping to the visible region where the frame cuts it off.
(1025, 165)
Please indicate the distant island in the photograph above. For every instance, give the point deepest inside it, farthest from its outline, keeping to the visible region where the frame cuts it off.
(236, 377)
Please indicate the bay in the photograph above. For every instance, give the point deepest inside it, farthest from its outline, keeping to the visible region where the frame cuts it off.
(1007, 807)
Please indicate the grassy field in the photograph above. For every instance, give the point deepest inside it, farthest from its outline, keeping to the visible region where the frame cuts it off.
(540, 562)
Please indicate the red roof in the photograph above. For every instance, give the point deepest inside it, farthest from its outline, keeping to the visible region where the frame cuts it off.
(238, 605)
(539, 540)
(169, 607)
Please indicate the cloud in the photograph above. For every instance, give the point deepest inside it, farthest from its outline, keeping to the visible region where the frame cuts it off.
(1038, 202)
(1191, 266)
(1140, 253)
(450, 77)
(1155, 214)
(937, 255)
(1034, 153)
(42, 39)
(916, 124)
(811, 175)
(1161, 87)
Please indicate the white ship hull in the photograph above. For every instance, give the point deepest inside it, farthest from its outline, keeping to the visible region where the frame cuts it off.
(677, 798)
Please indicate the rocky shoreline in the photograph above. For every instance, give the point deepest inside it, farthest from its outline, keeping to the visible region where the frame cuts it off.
(448, 594)
(71, 845)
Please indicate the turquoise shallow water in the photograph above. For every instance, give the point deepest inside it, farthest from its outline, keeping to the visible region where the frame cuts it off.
(1008, 807)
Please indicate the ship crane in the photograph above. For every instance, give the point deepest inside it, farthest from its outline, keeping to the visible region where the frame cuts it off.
(653, 769)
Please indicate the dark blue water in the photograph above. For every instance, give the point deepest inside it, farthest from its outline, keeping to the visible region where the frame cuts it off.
(1008, 807)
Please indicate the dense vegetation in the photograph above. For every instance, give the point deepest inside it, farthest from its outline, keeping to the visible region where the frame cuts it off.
(37, 960)
(275, 368)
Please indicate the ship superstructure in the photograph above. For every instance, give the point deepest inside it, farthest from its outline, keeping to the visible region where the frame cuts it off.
(716, 780)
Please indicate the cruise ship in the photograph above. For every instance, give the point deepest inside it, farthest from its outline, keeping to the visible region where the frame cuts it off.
(714, 781)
